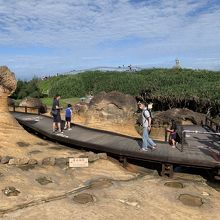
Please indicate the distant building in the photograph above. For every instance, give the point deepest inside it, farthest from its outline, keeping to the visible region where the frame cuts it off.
(177, 65)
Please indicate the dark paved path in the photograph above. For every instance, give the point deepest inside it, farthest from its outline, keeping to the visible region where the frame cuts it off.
(200, 150)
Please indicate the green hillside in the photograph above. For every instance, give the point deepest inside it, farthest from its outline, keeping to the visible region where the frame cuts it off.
(194, 89)
(185, 83)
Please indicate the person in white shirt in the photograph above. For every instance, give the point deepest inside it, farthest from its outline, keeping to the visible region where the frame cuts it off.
(148, 143)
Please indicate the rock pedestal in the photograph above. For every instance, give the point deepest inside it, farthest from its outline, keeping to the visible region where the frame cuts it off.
(7, 87)
(11, 133)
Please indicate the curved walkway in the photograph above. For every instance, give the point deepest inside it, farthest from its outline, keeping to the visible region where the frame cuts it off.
(199, 151)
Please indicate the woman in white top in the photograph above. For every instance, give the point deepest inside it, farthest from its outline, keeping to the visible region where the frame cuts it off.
(146, 123)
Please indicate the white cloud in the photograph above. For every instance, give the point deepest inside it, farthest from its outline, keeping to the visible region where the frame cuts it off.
(166, 27)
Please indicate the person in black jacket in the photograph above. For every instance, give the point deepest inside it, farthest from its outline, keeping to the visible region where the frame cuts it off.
(56, 114)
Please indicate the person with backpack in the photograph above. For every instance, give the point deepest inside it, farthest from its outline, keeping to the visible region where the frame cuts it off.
(147, 143)
(68, 115)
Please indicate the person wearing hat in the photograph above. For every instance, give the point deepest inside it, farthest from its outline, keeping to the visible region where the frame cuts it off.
(147, 143)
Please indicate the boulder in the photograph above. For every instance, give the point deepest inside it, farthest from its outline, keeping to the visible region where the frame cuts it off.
(114, 107)
(5, 159)
(18, 161)
(179, 115)
(33, 102)
(49, 161)
(32, 161)
(80, 108)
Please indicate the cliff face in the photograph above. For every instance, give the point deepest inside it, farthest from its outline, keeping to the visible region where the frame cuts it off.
(11, 133)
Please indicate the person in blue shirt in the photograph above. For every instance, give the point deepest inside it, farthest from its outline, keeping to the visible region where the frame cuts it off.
(68, 115)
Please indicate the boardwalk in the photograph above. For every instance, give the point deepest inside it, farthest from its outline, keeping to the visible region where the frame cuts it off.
(200, 150)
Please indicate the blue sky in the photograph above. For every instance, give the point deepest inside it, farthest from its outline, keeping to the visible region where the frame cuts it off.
(42, 37)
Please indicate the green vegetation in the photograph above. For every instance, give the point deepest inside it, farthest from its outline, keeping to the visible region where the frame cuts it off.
(25, 89)
(63, 102)
(194, 89)
(183, 83)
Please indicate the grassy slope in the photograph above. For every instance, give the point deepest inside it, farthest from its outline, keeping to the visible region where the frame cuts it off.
(63, 102)
(185, 83)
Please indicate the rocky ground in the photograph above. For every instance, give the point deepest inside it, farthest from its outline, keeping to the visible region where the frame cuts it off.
(104, 190)
(36, 182)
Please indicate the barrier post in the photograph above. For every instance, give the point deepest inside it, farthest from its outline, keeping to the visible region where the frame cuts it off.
(165, 133)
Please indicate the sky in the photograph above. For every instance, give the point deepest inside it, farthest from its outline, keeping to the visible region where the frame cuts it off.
(44, 37)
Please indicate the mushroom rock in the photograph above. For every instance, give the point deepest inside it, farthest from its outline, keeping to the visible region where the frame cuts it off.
(8, 85)
(112, 111)
(11, 132)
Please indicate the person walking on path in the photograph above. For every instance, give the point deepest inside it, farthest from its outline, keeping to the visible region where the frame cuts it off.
(146, 123)
(56, 114)
(68, 115)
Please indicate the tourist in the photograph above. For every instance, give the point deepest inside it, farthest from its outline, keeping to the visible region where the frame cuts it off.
(146, 123)
(56, 114)
(68, 115)
(173, 134)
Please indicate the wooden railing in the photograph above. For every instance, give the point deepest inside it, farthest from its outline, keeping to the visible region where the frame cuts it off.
(210, 123)
(14, 107)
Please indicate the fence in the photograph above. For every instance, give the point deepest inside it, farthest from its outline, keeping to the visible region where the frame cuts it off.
(214, 126)
(14, 107)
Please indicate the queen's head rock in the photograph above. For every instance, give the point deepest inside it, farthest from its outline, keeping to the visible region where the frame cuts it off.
(10, 131)
(8, 85)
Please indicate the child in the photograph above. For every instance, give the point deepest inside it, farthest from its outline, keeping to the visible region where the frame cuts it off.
(68, 114)
(173, 134)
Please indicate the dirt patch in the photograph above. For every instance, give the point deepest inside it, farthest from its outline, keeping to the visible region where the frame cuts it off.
(83, 198)
(44, 180)
(42, 143)
(190, 200)
(174, 184)
(26, 167)
(23, 144)
(35, 152)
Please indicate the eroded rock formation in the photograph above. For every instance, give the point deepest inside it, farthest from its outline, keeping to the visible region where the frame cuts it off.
(162, 120)
(33, 102)
(8, 85)
(179, 115)
(11, 133)
(114, 107)
(112, 111)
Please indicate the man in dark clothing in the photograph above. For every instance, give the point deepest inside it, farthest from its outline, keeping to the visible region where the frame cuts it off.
(56, 114)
